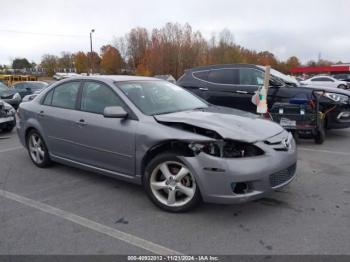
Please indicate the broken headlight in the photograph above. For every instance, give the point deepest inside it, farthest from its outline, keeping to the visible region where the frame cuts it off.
(226, 149)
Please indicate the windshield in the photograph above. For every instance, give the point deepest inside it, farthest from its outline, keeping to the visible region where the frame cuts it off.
(160, 97)
(282, 77)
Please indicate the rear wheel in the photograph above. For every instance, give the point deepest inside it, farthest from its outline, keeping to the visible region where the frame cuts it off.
(170, 184)
(342, 86)
(37, 149)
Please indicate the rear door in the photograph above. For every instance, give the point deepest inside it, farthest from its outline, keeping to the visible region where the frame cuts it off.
(221, 87)
(57, 117)
(234, 87)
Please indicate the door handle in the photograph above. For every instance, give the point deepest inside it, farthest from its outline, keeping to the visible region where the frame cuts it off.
(81, 122)
(203, 88)
(241, 92)
(41, 114)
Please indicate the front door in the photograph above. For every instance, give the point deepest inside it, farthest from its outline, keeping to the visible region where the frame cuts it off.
(107, 143)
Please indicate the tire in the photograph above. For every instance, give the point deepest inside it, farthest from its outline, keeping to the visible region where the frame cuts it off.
(295, 136)
(165, 189)
(342, 86)
(37, 149)
(8, 129)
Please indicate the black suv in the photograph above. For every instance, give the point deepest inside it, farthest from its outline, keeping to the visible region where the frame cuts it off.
(234, 85)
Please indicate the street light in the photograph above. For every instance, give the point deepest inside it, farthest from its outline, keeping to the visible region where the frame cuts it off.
(91, 57)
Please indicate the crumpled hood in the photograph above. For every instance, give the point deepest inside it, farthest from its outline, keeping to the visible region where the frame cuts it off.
(227, 123)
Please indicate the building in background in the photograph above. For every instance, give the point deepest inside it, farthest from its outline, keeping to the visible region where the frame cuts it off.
(315, 70)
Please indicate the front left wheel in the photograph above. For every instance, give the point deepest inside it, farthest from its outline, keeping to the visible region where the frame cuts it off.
(37, 149)
(170, 184)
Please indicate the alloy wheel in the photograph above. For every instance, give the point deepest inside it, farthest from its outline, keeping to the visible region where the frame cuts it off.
(36, 149)
(172, 184)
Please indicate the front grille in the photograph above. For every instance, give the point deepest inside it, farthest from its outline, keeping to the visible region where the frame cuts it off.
(3, 113)
(283, 176)
(6, 96)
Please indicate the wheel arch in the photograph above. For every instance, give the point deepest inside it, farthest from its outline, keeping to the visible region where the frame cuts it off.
(178, 146)
(33, 125)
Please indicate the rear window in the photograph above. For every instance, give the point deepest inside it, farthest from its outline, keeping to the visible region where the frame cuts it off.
(202, 75)
(65, 95)
(223, 76)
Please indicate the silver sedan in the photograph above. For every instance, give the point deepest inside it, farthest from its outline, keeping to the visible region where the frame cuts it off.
(151, 132)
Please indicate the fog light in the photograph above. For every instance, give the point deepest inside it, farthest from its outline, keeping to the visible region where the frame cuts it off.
(239, 188)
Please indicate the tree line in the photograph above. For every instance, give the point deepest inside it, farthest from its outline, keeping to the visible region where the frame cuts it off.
(167, 50)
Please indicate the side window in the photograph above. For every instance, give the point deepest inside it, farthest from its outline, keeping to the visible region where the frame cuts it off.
(316, 79)
(249, 76)
(203, 75)
(96, 96)
(322, 79)
(223, 76)
(65, 95)
(48, 98)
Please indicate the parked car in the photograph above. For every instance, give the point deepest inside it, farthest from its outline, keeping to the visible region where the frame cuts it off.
(10, 95)
(343, 77)
(325, 81)
(234, 85)
(30, 97)
(155, 133)
(29, 87)
(7, 117)
(60, 76)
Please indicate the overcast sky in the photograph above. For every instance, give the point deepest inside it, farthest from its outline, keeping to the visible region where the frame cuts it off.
(303, 28)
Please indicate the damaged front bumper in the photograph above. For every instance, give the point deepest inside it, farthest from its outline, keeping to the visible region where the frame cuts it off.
(237, 180)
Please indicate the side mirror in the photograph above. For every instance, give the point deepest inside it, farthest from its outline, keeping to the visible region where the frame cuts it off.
(28, 89)
(114, 112)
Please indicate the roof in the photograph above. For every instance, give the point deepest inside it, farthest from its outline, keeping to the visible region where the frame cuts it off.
(222, 66)
(117, 78)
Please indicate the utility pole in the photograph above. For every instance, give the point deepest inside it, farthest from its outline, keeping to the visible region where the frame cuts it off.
(91, 56)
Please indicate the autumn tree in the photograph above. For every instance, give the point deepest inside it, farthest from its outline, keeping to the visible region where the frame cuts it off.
(81, 62)
(292, 62)
(66, 61)
(94, 61)
(49, 63)
(137, 41)
(111, 60)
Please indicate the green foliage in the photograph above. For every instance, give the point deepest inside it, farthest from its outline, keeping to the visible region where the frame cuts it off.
(21, 63)
(49, 63)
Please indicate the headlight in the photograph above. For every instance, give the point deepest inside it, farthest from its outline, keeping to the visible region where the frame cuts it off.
(226, 149)
(9, 108)
(17, 96)
(337, 97)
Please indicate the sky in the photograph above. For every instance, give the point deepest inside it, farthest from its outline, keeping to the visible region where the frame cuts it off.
(304, 28)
